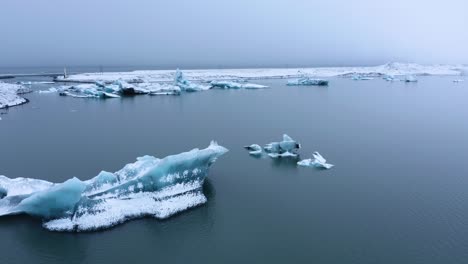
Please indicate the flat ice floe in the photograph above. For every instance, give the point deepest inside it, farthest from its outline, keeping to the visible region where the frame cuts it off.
(148, 187)
(390, 69)
(9, 94)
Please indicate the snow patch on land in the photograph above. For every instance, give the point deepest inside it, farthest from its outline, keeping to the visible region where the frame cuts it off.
(208, 75)
(9, 94)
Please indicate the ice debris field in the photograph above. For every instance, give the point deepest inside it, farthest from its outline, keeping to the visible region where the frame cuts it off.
(288, 148)
(169, 82)
(148, 187)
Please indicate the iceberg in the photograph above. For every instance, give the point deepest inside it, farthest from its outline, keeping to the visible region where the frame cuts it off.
(236, 85)
(159, 89)
(307, 81)
(318, 162)
(458, 80)
(186, 85)
(410, 78)
(115, 90)
(148, 187)
(286, 148)
(359, 77)
(9, 94)
(254, 149)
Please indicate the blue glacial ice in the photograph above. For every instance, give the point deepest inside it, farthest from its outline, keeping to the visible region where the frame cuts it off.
(286, 148)
(148, 187)
(307, 81)
(236, 85)
(318, 161)
(186, 85)
(254, 149)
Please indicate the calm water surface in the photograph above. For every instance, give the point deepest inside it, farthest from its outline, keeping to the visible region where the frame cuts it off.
(398, 193)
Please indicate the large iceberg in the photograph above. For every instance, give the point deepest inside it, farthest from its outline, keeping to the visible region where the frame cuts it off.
(236, 85)
(307, 81)
(318, 162)
(286, 148)
(114, 90)
(186, 85)
(147, 187)
(9, 94)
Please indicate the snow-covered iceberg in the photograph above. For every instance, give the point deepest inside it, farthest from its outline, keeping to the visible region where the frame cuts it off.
(114, 90)
(9, 94)
(187, 85)
(307, 81)
(318, 161)
(286, 148)
(236, 85)
(147, 187)
(254, 149)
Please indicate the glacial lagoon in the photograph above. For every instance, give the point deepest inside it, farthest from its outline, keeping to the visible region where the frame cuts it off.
(396, 195)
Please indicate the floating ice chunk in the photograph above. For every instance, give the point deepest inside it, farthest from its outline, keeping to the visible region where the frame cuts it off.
(285, 148)
(236, 85)
(186, 85)
(307, 81)
(410, 78)
(160, 89)
(148, 187)
(48, 91)
(390, 78)
(9, 94)
(318, 162)
(254, 149)
(359, 77)
(458, 80)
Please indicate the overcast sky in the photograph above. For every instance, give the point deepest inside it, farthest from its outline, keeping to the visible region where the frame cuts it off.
(237, 33)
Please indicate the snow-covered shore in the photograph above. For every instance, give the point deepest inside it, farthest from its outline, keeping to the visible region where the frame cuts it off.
(272, 73)
(9, 95)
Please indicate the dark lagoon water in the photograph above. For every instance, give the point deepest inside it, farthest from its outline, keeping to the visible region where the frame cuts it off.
(398, 193)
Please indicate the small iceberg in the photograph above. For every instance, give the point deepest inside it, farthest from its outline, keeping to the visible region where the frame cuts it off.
(186, 85)
(48, 91)
(390, 78)
(410, 78)
(148, 187)
(236, 85)
(458, 80)
(286, 148)
(160, 89)
(359, 77)
(318, 162)
(254, 149)
(307, 81)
